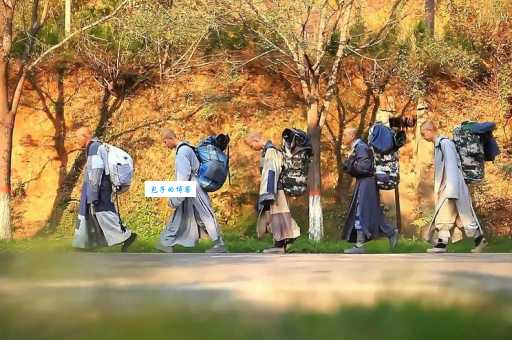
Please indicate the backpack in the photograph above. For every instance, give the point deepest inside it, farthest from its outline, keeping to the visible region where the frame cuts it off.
(120, 168)
(387, 165)
(387, 170)
(297, 152)
(213, 162)
(471, 154)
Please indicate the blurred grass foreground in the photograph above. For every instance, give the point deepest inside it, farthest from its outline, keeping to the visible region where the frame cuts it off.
(193, 296)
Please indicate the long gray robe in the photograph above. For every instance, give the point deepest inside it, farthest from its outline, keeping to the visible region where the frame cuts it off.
(273, 212)
(190, 213)
(98, 221)
(365, 201)
(449, 184)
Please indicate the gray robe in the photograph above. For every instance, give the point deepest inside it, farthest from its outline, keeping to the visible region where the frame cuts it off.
(365, 201)
(273, 212)
(190, 213)
(449, 184)
(98, 221)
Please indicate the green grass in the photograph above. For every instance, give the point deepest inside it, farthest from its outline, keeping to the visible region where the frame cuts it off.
(237, 243)
(385, 321)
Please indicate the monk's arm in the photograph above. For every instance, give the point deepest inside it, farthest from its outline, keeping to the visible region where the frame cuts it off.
(183, 173)
(363, 164)
(95, 170)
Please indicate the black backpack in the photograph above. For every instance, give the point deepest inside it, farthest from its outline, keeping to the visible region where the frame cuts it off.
(297, 152)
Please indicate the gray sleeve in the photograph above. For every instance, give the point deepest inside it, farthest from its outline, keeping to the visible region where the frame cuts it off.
(183, 171)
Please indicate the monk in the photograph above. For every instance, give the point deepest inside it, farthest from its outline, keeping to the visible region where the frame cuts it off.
(98, 220)
(453, 200)
(273, 212)
(365, 219)
(191, 214)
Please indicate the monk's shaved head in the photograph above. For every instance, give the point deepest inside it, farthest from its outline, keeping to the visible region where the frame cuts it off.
(352, 131)
(350, 135)
(83, 135)
(167, 133)
(255, 140)
(429, 131)
(169, 138)
(428, 125)
(254, 136)
(84, 130)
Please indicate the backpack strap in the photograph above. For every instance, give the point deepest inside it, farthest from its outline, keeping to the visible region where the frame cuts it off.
(440, 148)
(196, 172)
(229, 170)
(185, 144)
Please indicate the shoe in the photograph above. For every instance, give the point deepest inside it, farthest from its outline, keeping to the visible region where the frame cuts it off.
(164, 249)
(274, 250)
(355, 250)
(216, 249)
(128, 242)
(480, 247)
(437, 249)
(393, 239)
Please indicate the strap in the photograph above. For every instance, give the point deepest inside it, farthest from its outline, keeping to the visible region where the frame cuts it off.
(192, 173)
(123, 228)
(185, 144)
(229, 170)
(440, 148)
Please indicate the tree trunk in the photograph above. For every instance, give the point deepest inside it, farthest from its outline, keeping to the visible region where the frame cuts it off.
(316, 224)
(67, 19)
(430, 15)
(339, 169)
(6, 130)
(5, 183)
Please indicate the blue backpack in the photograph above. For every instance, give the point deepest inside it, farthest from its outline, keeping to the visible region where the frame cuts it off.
(214, 162)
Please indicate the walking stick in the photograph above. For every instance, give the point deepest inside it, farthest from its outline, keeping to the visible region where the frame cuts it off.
(397, 206)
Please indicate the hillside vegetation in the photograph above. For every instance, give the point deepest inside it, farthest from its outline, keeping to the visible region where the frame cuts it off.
(229, 82)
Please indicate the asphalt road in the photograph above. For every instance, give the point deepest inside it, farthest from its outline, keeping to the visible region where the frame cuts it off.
(309, 281)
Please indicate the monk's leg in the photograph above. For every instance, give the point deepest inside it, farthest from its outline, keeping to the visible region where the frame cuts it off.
(445, 221)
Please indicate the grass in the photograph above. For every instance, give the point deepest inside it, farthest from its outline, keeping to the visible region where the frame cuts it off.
(237, 243)
(385, 321)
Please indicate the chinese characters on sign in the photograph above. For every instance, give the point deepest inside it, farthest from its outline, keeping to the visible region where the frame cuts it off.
(170, 189)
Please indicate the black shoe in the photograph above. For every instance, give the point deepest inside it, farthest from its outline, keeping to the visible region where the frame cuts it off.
(128, 242)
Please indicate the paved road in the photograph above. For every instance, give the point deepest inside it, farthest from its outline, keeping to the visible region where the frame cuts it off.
(311, 281)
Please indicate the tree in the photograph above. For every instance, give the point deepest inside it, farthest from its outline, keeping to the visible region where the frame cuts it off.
(152, 42)
(309, 39)
(67, 17)
(430, 16)
(15, 37)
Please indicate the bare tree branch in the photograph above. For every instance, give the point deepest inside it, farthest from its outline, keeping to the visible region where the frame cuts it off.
(77, 32)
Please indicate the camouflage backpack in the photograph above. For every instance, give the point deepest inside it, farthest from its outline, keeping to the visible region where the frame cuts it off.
(387, 165)
(387, 170)
(297, 151)
(471, 153)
